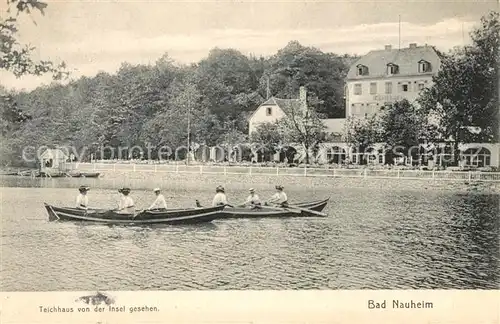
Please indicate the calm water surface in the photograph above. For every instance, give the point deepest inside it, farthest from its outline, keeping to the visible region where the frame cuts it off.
(373, 239)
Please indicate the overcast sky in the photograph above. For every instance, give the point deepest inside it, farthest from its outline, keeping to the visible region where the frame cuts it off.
(94, 36)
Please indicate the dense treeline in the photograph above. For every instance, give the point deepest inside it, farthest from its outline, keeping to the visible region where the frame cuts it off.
(149, 104)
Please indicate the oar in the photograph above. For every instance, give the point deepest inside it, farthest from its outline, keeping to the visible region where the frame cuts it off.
(310, 211)
(200, 206)
(274, 208)
(292, 207)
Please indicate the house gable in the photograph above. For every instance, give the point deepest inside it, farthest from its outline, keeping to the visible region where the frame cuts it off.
(274, 109)
(268, 112)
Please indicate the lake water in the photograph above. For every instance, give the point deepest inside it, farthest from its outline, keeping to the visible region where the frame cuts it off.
(372, 239)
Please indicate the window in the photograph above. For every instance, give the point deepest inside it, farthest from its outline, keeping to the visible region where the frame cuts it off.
(420, 86)
(357, 89)
(362, 69)
(269, 111)
(392, 69)
(388, 87)
(424, 66)
(404, 87)
(373, 88)
(336, 155)
(478, 157)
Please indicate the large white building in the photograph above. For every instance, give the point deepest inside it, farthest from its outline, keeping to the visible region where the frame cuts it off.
(378, 78)
(389, 75)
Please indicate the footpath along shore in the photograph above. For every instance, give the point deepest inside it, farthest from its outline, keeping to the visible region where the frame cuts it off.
(146, 180)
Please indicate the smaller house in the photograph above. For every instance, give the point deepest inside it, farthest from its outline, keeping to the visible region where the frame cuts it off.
(274, 109)
(53, 162)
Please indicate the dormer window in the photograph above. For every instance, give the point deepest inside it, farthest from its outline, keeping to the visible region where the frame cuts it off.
(362, 69)
(424, 66)
(392, 69)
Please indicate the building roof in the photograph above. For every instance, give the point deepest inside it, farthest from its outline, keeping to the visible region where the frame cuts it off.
(54, 154)
(287, 105)
(406, 58)
(334, 125)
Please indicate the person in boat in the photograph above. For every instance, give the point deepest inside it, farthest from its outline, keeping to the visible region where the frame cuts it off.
(82, 200)
(159, 202)
(279, 198)
(252, 199)
(126, 205)
(220, 197)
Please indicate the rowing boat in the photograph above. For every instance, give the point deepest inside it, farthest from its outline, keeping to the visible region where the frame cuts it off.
(277, 212)
(78, 174)
(271, 212)
(145, 217)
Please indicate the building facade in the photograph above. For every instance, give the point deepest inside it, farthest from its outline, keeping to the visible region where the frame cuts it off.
(389, 75)
(274, 109)
(378, 78)
(53, 162)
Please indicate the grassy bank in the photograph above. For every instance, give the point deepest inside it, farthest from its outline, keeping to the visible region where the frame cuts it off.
(146, 180)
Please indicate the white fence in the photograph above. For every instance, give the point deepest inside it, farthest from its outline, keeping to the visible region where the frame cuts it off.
(296, 171)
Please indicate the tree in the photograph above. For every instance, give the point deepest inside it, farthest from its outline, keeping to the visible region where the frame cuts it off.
(16, 57)
(303, 125)
(464, 94)
(402, 125)
(176, 121)
(322, 73)
(11, 117)
(228, 83)
(267, 138)
(362, 133)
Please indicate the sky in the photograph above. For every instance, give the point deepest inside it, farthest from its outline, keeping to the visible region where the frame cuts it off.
(93, 36)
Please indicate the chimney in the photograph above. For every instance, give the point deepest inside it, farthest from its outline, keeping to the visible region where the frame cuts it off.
(303, 98)
(413, 45)
(388, 47)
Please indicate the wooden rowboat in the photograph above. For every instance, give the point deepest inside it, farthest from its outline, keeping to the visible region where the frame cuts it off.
(146, 217)
(271, 212)
(78, 174)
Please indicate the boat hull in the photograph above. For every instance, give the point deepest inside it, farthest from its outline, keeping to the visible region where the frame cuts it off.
(317, 205)
(84, 175)
(268, 212)
(173, 217)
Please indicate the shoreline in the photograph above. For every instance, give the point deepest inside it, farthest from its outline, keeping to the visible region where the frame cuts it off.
(145, 180)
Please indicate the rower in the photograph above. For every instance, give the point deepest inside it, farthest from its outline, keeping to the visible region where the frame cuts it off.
(252, 199)
(126, 203)
(279, 198)
(82, 201)
(220, 197)
(160, 202)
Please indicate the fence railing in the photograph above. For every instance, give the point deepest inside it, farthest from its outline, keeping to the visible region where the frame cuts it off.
(294, 171)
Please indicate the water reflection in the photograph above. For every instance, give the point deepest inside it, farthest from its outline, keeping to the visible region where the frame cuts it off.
(382, 239)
